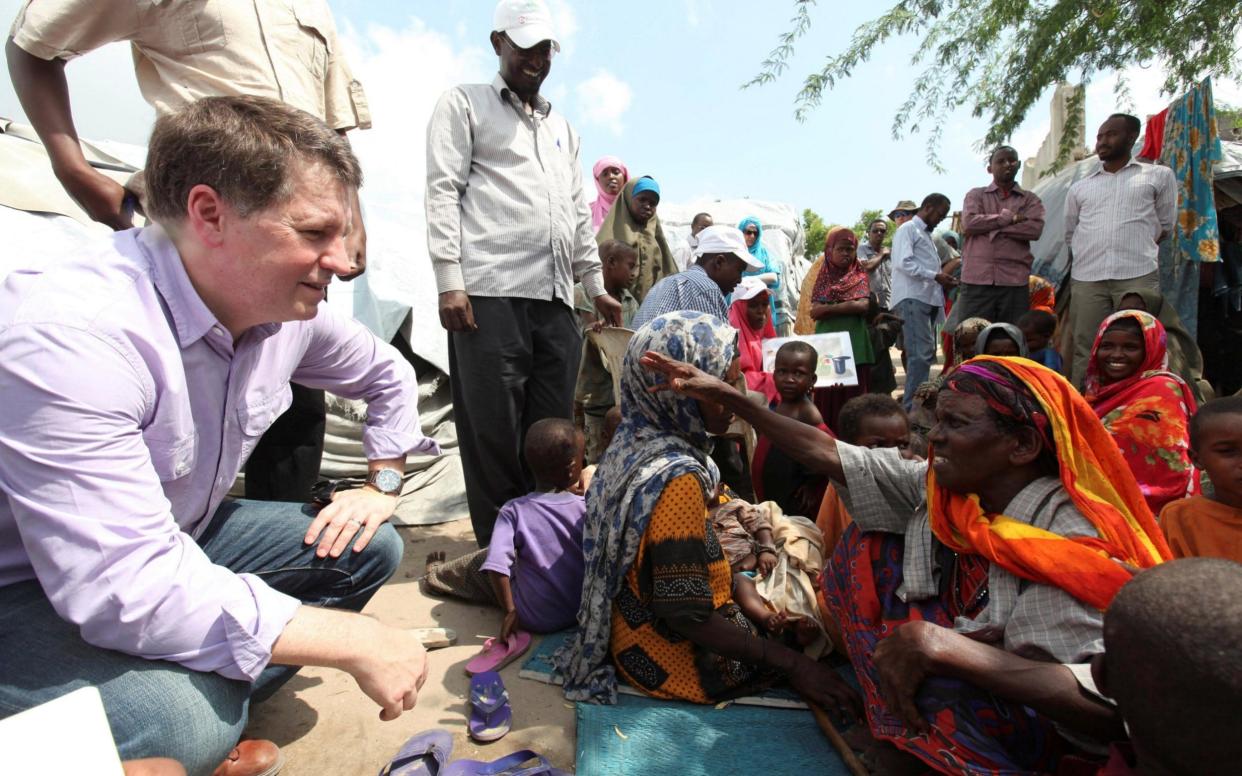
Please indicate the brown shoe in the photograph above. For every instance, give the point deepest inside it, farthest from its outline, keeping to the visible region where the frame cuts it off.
(254, 757)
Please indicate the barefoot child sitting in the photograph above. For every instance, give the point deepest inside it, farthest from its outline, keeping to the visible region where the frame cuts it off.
(533, 566)
(777, 477)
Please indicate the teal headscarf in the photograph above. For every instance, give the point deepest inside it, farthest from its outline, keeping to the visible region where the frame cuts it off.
(769, 265)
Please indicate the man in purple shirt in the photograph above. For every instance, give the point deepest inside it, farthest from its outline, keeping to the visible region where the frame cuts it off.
(136, 379)
(1000, 221)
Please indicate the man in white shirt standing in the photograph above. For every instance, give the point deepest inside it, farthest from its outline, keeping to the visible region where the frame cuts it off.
(1115, 219)
(509, 232)
(918, 295)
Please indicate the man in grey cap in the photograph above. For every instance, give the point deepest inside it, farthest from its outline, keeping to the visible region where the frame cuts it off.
(509, 232)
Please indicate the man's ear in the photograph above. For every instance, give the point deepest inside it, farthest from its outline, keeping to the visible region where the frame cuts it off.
(495, 38)
(206, 214)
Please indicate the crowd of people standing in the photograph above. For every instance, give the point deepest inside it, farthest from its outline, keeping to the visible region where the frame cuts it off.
(993, 556)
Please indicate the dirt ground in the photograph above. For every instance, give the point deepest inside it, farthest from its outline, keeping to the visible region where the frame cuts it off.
(325, 725)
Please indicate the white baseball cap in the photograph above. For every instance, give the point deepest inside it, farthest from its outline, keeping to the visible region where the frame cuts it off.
(527, 23)
(749, 288)
(722, 238)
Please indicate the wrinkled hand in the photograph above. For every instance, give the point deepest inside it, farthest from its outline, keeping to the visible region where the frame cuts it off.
(102, 198)
(609, 310)
(903, 661)
(392, 670)
(361, 509)
(764, 563)
(456, 314)
(509, 625)
(947, 281)
(819, 684)
(684, 378)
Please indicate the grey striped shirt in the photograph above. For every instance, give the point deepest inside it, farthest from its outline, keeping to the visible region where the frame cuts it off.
(506, 216)
(885, 492)
(1112, 220)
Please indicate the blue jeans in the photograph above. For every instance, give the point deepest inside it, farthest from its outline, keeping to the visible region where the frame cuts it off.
(160, 709)
(918, 333)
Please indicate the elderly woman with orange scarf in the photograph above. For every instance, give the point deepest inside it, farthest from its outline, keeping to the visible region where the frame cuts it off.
(835, 297)
(969, 584)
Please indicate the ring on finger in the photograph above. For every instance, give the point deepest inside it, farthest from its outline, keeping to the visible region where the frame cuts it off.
(353, 521)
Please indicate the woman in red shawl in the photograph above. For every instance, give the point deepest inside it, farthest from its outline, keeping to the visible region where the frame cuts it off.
(1144, 406)
(839, 302)
(751, 315)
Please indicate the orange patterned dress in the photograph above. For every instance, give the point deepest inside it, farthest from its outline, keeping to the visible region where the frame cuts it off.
(680, 572)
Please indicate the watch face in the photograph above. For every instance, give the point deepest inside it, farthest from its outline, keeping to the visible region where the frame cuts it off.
(387, 480)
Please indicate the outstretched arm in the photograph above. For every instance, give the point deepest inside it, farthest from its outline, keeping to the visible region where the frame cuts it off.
(805, 444)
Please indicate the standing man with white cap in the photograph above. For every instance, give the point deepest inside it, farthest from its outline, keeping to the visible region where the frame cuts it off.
(509, 232)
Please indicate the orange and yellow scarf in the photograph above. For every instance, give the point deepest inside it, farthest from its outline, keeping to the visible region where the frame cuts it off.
(1099, 482)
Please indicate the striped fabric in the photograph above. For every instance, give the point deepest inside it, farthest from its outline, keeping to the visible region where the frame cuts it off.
(506, 215)
(1112, 220)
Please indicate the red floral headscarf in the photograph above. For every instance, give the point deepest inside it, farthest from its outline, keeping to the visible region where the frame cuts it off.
(835, 284)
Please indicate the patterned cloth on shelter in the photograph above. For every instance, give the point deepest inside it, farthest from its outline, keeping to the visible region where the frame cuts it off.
(1033, 580)
(1191, 148)
(604, 201)
(661, 438)
(1148, 415)
(655, 258)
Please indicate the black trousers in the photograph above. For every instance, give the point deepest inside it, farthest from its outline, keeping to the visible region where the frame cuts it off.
(518, 368)
(285, 464)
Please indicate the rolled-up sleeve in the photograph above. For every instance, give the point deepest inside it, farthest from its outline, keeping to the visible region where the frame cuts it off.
(344, 357)
(89, 506)
(450, 147)
(882, 490)
(69, 28)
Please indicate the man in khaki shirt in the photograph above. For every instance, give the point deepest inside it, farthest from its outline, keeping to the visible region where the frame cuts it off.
(283, 49)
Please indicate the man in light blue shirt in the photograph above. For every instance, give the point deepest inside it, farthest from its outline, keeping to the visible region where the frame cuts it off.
(918, 289)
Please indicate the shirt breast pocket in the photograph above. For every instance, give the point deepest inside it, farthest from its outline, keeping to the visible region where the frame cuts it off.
(314, 43)
(199, 31)
(255, 417)
(172, 458)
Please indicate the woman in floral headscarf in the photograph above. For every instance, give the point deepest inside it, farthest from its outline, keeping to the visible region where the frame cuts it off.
(1144, 406)
(657, 595)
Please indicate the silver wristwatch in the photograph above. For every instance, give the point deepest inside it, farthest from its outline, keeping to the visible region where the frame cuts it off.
(386, 481)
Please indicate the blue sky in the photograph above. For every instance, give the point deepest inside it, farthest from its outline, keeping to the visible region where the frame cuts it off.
(656, 84)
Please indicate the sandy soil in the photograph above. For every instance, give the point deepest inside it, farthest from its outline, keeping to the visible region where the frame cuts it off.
(325, 725)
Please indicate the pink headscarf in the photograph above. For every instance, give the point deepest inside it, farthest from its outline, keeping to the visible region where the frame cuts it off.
(603, 201)
(750, 343)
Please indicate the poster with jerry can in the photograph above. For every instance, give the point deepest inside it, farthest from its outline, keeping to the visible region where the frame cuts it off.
(834, 364)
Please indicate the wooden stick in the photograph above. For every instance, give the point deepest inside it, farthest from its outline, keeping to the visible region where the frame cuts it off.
(847, 754)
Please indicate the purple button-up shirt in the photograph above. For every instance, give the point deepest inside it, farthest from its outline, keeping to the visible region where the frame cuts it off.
(997, 251)
(126, 411)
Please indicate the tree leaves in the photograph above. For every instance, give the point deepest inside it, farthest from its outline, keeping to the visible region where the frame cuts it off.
(996, 57)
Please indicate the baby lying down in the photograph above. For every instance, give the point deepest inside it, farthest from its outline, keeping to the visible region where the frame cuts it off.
(785, 555)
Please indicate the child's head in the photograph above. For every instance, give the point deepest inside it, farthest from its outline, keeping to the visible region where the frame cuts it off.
(620, 263)
(1037, 326)
(553, 451)
(874, 420)
(1001, 339)
(1216, 447)
(1172, 638)
(794, 370)
(757, 309)
(964, 337)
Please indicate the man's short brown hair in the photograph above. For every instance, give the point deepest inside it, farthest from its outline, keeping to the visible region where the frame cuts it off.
(243, 147)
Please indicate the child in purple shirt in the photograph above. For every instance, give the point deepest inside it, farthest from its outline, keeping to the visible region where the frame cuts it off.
(533, 566)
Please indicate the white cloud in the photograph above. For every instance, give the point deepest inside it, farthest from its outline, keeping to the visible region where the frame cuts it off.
(603, 100)
(565, 21)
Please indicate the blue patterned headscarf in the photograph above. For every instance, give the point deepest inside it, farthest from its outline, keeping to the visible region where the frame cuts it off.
(661, 437)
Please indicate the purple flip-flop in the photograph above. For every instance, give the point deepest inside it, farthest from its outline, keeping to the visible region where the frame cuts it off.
(515, 764)
(490, 714)
(423, 755)
(497, 654)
